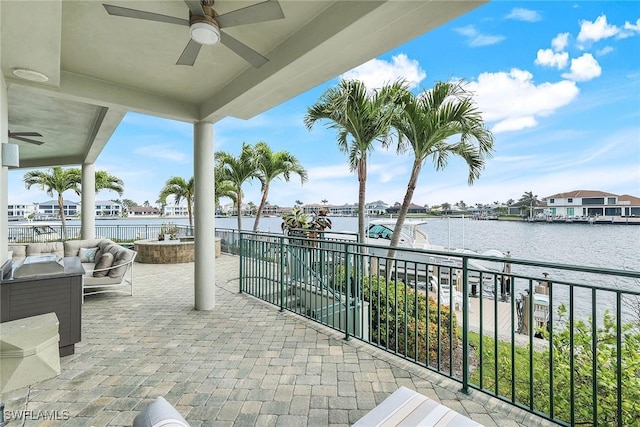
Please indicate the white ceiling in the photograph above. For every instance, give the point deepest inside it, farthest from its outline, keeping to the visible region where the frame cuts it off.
(101, 66)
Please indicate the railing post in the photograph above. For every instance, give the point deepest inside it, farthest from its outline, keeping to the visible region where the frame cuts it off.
(281, 273)
(241, 279)
(618, 356)
(347, 284)
(465, 324)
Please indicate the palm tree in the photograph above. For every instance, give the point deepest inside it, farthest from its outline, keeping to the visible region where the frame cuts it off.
(361, 119)
(161, 203)
(532, 200)
(56, 180)
(427, 123)
(181, 189)
(237, 170)
(223, 188)
(324, 201)
(128, 205)
(105, 181)
(272, 165)
(298, 202)
(252, 208)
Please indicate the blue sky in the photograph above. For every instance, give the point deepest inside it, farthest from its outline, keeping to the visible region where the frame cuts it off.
(558, 83)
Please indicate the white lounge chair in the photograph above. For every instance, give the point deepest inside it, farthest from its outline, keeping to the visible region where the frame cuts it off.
(406, 407)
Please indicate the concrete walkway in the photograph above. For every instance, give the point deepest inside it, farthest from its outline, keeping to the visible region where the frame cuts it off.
(244, 363)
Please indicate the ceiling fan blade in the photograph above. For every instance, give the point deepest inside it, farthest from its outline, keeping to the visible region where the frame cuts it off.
(141, 14)
(13, 134)
(189, 54)
(195, 7)
(269, 10)
(241, 49)
(32, 141)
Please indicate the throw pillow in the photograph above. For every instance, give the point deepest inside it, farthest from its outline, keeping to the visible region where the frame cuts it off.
(105, 261)
(88, 254)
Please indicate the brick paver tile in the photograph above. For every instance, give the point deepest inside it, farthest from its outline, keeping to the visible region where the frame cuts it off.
(242, 363)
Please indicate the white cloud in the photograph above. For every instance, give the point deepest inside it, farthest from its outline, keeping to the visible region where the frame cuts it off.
(629, 29)
(376, 72)
(513, 101)
(511, 159)
(604, 51)
(632, 27)
(583, 69)
(560, 42)
(512, 185)
(393, 169)
(521, 14)
(476, 39)
(596, 30)
(515, 123)
(336, 171)
(548, 58)
(162, 152)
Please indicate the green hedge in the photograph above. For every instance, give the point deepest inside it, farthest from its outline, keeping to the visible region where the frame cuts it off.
(559, 391)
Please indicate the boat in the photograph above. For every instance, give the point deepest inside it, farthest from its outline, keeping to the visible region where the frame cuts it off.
(34, 232)
(449, 267)
(413, 236)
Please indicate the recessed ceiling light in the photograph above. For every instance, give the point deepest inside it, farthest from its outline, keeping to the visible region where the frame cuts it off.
(30, 75)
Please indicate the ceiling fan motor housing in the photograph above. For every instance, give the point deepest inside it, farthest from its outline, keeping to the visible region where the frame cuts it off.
(204, 29)
(205, 26)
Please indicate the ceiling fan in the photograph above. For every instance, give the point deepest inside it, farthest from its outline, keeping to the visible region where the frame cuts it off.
(205, 25)
(22, 136)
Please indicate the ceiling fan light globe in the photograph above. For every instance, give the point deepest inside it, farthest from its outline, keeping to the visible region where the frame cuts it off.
(204, 33)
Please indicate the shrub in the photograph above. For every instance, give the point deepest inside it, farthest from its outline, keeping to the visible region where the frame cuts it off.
(405, 322)
(558, 391)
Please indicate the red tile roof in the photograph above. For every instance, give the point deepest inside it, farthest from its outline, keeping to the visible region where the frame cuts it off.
(628, 198)
(581, 193)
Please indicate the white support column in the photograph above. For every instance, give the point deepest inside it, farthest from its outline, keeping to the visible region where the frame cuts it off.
(204, 217)
(88, 215)
(4, 172)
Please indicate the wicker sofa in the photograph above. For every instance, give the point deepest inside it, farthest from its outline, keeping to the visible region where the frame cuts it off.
(108, 266)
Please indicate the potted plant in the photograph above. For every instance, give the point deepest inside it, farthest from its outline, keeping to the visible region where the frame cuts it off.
(297, 223)
(163, 231)
(172, 230)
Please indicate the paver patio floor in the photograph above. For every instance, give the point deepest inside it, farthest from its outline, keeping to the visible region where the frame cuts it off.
(243, 363)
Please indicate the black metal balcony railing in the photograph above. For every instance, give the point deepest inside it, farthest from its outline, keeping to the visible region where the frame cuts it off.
(122, 233)
(560, 341)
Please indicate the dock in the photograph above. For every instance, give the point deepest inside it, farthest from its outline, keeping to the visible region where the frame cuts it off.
(483, 319)
(487, 322)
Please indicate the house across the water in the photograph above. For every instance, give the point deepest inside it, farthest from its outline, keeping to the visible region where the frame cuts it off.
(587, 203)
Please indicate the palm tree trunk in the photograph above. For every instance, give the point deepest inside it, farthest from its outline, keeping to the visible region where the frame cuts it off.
(263, 202)
(531, 210)
(404, 209)
(62, 217)
(239, 202)
(190, 211)
(362, 179)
